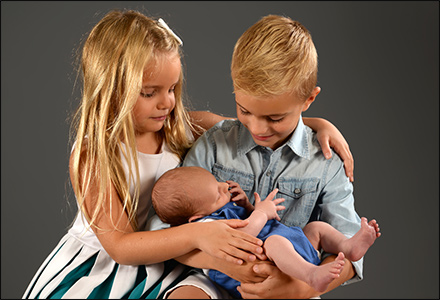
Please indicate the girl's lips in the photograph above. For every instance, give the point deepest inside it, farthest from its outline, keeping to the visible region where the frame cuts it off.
(161, 118)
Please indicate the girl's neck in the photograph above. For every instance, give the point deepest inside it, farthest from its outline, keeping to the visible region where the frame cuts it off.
(149, 143)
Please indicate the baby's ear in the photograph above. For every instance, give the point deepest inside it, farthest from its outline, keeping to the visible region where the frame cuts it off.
(195, 218)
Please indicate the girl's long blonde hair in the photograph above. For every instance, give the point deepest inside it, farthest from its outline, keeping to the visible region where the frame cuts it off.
(113, 59)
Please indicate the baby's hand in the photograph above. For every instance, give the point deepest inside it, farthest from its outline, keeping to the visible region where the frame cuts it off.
(239, 196)
(268, 206)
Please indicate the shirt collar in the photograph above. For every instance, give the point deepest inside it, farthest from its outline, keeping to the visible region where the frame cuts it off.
(298, 142)
(245, 141)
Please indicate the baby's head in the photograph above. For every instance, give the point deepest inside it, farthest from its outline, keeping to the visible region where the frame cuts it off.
(185, 194)
(274, 56)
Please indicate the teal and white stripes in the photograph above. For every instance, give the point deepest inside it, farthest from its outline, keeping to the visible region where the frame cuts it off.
(75, 270)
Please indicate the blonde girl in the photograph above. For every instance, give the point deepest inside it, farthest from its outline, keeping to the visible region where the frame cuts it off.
(130, 128)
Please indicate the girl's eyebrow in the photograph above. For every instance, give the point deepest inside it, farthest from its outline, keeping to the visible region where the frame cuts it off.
(157, 86)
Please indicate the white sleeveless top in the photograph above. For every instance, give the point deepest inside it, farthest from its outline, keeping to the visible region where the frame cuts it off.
(151, 167)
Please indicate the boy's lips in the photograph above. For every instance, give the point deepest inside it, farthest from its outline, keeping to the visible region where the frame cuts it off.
(262, 137)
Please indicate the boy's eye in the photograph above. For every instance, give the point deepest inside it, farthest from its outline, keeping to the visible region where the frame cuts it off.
(244, 112)
(275, 120)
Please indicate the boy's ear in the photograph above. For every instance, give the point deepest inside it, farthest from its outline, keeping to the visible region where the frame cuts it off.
(196, 217)
(312, 98)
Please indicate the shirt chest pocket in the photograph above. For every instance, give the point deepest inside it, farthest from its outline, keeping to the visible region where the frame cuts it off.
(245, 180)
(301, 196)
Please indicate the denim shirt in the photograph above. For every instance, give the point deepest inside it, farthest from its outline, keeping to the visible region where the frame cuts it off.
(314, 188)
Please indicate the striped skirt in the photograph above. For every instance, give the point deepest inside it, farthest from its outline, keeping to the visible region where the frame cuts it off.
(76, 270)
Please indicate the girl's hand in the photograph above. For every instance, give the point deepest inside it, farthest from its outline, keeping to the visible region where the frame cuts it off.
(329, 136)
(268, 206)
(221, 240)
(239, 196)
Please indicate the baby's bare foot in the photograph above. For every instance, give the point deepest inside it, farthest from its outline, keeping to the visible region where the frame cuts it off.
(362, 240)
(323, 275)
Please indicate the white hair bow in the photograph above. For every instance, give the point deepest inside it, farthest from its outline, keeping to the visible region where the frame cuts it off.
(162, 23)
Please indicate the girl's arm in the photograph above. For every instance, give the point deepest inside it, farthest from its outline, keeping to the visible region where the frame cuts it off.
(125, 246)
(205, 120)
(327, 133)
(329, 136)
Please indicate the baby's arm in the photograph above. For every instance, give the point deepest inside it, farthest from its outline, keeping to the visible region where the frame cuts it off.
(239, 196)
(264, 211)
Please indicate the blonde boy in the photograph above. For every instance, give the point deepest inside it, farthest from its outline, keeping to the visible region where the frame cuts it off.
(274, 71)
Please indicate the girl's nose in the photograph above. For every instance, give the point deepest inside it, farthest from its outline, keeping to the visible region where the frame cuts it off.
(166, 101)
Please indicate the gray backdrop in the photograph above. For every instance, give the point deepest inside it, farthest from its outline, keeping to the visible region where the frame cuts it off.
(378, 69)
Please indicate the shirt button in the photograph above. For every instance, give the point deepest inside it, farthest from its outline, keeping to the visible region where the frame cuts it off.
(269, 173)
(297, 191)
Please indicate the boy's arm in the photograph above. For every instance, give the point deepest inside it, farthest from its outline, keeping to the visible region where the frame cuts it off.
(278, 285)
(262, 279)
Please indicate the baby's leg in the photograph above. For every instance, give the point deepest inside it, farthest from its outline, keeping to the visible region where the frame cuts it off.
(357, 245)
(323, 235)
(281, 251)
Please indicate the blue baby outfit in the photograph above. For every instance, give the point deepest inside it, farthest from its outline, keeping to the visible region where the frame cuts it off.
(314, 188)
(273, 227)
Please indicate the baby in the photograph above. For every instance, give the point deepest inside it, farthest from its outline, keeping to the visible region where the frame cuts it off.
(189, 194)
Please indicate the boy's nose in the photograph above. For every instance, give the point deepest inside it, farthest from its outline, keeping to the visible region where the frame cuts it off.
(257, 127)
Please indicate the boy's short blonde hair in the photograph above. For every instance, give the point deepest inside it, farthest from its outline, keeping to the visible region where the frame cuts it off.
(274, 56)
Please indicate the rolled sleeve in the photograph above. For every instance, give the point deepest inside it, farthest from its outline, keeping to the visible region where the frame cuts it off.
(337, 207)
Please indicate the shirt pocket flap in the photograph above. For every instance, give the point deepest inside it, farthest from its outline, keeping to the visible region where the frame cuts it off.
(297, 188)
(222, 173)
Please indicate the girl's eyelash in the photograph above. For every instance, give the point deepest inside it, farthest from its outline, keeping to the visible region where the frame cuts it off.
(146, 95)
(149, 95)
(244, 112)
